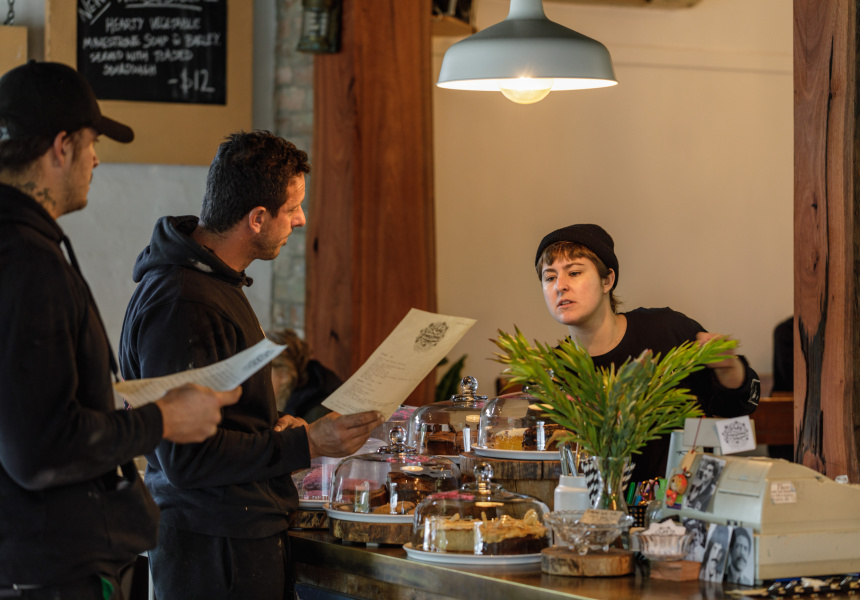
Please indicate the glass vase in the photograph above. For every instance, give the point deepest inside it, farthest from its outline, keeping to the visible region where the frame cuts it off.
(610, 472)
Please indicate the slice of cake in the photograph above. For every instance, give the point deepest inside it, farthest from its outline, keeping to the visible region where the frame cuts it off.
(410, 487)
(399, 508)
(552, 434)
(508, 535)
(443, 443)
(509, 439)
(450, 534)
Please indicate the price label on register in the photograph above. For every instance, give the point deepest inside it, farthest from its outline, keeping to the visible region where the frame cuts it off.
(783, 492)
(593, 516)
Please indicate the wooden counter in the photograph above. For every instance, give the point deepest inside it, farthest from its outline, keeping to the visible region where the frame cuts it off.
(321, 561)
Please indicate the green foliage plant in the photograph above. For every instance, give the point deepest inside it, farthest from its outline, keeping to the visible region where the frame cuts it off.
(610, 412)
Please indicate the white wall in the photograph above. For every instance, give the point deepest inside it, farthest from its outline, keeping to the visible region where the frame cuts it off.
(687, 163)
(126, 199)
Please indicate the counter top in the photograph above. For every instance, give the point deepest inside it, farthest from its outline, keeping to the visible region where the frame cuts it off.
(323, 561)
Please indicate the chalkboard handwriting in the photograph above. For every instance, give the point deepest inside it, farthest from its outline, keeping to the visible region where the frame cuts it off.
(174, 23)
(123, 24)
(145, 50)
(178, 4)
(197, 81)
(91, 10)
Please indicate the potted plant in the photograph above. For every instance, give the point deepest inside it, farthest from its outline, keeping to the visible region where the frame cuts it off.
(611, 413)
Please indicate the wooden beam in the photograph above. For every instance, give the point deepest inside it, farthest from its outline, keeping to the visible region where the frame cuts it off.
(13, 47)
(827, 373)
(371, 244)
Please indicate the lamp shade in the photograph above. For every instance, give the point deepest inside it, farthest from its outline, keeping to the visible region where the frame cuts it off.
(526, 46)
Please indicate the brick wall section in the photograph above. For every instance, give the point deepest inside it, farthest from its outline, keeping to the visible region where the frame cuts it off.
(294, 121)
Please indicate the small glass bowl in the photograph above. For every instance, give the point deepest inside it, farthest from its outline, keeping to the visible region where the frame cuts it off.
(567, 530)
(600, 535)
(664, 546)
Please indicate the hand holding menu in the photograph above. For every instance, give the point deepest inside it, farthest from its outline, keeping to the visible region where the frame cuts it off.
(398, 365)
(221, 376)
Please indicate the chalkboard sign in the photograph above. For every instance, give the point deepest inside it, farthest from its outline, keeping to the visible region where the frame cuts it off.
(154, 50)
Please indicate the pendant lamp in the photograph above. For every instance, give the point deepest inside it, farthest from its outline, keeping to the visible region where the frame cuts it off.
(525, 57)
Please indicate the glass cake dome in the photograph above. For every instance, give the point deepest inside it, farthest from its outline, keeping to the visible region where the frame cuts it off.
(390, 481)
(441, 428)
(480, 518)
(517, 422)
(314, 483)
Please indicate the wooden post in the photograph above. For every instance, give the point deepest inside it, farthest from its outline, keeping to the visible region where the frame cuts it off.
(371, 243)
(13, 47)
(827, 373)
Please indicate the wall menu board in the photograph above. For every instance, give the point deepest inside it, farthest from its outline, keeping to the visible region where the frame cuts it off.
(182, 130)
(154, 50)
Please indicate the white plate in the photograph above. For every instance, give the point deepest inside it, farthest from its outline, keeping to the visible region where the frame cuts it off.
(516, 454)
(345, 515)
(456, 558)
(312, 504)
(454, 459)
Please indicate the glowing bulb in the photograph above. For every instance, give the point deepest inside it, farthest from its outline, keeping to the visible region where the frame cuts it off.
(525, 90)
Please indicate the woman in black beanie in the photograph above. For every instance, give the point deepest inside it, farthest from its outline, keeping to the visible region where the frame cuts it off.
(578, 270)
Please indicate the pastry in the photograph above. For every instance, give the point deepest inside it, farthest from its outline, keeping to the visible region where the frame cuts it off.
(410, 487)
(552, 433)
(508, 535)
(508, 439)
(443, 443)
(449, 534)
(399, 508)
(505, 535)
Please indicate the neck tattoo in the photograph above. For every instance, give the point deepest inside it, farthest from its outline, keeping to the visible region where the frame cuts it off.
(42, 196)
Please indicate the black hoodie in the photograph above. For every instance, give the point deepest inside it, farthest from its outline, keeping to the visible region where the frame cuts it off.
(189, 310)
(63, 513)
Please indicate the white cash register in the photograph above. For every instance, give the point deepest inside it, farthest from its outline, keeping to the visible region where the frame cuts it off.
(804, 523)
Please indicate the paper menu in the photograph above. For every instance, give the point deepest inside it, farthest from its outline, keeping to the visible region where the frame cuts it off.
(398, 365)
(222, 376)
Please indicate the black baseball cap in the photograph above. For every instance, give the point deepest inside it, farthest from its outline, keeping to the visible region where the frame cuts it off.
(593, 237)
(45, 98)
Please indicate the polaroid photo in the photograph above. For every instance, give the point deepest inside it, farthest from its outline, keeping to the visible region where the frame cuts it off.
(704, 483)
(716, 553)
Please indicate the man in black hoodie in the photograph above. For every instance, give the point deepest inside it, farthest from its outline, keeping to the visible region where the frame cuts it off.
(226, 502)
(71, 521)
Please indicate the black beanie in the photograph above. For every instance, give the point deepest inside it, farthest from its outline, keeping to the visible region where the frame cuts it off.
(593, 237)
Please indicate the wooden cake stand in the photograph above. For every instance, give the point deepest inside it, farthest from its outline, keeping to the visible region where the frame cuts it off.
(537, 478)
(309, 519)
(558, 560)
(371, 533)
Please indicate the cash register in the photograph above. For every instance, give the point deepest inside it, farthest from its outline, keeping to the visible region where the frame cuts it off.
(804, 523)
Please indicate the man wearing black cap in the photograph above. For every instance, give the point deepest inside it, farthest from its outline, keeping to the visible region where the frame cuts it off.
(578, 270)
(73, 511)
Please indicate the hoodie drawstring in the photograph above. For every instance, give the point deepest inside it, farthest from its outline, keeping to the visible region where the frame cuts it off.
(74, 260)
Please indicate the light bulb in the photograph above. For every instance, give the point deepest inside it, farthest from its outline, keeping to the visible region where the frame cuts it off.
(525, 90)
